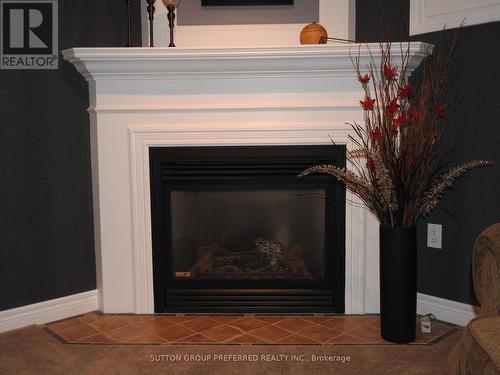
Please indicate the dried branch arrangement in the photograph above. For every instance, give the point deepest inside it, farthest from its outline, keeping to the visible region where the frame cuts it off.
(395, 167)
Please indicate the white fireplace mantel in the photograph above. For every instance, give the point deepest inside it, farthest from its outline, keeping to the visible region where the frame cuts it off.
(163, 97)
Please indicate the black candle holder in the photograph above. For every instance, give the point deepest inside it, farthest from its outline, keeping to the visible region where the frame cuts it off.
(171, 23)
(129, 22)
(151, 11)
(171, 5)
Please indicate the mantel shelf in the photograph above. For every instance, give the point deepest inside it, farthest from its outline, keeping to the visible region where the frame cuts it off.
(158, 62)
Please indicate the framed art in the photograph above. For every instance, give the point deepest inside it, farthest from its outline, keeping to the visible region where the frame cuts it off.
(206, 3)
(434, 15)
(337, 16)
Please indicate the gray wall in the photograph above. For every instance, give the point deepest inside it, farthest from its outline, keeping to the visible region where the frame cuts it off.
(46, 230)
(191, 12)
(474, 133)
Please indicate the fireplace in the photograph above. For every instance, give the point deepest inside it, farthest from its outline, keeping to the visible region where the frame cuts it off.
(235, 230)
(147, 98)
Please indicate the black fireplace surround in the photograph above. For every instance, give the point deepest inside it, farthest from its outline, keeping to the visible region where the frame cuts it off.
(235, 230)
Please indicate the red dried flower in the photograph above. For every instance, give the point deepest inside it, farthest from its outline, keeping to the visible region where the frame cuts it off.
(364, 79)
(393, 107)
(394, 128)
(370, 164)
(390, 73)
(439, 110)
(376, 134)
(367, 104)
(400, 120)
(405, 91)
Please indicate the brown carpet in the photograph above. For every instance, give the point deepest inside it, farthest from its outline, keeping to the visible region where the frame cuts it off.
(34, 351)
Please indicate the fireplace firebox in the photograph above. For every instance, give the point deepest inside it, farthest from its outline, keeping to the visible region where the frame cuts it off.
(235, 230)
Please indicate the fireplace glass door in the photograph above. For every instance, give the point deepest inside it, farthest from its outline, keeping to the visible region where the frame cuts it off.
(248, 235)
(235, 229)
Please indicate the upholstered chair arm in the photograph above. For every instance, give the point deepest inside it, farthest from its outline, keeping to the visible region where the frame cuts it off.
(486, 270)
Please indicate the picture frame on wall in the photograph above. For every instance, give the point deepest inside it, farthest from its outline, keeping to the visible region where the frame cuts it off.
(245, 2)
(434, 15)
(337, 16)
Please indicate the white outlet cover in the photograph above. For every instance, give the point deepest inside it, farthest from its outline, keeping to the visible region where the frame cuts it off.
(435, 236)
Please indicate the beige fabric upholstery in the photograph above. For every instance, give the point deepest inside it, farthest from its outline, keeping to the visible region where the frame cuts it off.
(474, 352)
(486, 270)
(478, 352)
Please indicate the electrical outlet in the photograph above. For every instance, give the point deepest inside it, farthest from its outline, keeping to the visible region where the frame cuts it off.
(435, 236)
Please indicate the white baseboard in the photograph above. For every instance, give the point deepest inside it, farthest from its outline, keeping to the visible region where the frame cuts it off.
(66, 307)
(446, 310)
(48, 311)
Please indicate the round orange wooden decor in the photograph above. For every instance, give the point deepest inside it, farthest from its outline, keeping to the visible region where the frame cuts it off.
(313, 33)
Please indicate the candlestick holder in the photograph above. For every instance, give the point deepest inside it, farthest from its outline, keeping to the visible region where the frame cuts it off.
(171, 5)
(151, 11)
(129, 23)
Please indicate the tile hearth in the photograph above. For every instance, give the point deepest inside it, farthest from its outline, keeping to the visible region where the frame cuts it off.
(98, 328)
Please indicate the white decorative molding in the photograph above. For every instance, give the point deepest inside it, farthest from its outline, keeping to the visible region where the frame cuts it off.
(337, 16)
(49, 311)
(446, 310)
(435, 15)
(151, 97)
(144, 137)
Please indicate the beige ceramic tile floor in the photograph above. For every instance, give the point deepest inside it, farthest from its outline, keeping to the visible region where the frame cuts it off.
(97, 328)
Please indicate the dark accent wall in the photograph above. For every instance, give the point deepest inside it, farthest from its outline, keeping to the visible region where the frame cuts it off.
(473, 133)
(46, 229)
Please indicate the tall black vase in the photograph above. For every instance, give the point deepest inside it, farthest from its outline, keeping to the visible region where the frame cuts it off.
(398, 284)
